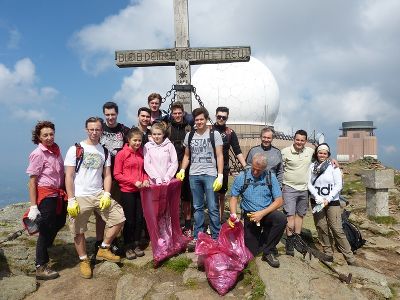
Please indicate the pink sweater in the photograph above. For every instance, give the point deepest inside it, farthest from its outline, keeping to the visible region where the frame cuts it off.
(160, 161)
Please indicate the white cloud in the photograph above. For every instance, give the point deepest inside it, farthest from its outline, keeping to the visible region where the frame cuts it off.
(390, 149)
(30, 114)
(14, 39)
(19, 90)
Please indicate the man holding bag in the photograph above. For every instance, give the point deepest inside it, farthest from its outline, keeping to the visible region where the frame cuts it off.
(260, 199)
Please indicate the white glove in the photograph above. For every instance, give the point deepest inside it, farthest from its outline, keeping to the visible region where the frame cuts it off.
(33, 212)
(158, 181)
(166, 180)
(217, 185)
(319, 199)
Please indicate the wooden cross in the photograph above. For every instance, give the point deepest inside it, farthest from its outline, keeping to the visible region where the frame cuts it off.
(182, 56)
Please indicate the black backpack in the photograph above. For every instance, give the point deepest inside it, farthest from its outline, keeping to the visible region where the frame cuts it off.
(246, 182)
(352, 233)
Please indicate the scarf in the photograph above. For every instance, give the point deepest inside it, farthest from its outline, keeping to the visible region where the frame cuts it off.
(320, 168)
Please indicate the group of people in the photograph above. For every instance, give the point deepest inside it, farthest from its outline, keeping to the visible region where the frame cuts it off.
(103, 175)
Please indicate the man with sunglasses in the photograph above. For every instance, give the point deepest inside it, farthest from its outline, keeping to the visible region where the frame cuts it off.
(229, 139)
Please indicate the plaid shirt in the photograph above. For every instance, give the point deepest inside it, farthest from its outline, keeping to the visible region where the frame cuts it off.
(257, 196)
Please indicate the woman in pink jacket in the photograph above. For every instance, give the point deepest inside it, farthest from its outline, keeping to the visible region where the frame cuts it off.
(160, 159)
(130, 174)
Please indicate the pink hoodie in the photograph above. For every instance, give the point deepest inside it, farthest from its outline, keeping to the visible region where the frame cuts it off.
(160, 161)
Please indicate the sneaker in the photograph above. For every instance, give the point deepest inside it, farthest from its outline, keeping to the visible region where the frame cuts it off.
(130, 254)
(106, 254)
(187, 232)
(139, 252)
(86, 268)
(191, 245)
(289, 246)
(271, 260)
(45, 273)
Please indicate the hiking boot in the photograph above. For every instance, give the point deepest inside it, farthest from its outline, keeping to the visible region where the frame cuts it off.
(275, 252)
(191, 245)
(86, 268)
(45, 273)
(115, 249)
(327, 258)
(271, 260)
(139, 252)
(187, 232)
(130, 254)
(353, 263)
(289, 246)
(105, 253)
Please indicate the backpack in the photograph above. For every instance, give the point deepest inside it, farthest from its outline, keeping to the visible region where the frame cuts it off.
(79, 156)
(246, 183)
(352, 233)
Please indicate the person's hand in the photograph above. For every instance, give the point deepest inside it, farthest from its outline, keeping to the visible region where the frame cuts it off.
(146, 183)
(73, 207)
(138, 184)
(255, 217)
(33, 212)
(158, 181)
(180, 175)
(319, 199)
(233, 219)
(217, 185)
(105, 201)
(166, 180)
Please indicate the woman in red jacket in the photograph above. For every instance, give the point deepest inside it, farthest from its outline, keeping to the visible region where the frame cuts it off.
(129, 172)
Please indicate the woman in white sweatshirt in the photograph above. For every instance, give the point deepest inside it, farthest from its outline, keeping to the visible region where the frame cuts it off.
(325, 184)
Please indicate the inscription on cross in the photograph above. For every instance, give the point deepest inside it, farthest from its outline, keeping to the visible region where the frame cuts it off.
(182, 56)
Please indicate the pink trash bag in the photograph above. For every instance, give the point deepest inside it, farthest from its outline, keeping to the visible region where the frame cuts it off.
(161, 210)
(225, 258)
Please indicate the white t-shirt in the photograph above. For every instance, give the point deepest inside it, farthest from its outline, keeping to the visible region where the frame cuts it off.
(88, 180)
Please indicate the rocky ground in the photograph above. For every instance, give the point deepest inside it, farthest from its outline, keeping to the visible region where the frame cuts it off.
(179, 278)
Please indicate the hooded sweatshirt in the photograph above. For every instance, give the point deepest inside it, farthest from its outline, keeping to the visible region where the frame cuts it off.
(160, 161)
(128, 169)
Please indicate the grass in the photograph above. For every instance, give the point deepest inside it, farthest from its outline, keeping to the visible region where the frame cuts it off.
(397, 179)
(252, 279)
(191, 284)
(178, 264)
(353, 186)
(387, 220)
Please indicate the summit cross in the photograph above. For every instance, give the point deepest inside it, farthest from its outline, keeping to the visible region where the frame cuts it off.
(182, 56)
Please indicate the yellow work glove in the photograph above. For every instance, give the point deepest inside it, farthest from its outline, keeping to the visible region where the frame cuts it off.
(73, 207)
(233, 219)
(180, 175)
(105, 201)
(217, 185)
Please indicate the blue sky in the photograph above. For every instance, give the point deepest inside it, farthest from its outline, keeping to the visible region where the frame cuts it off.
(333, 61)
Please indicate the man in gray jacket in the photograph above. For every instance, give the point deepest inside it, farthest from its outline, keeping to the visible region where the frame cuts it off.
(273, 154)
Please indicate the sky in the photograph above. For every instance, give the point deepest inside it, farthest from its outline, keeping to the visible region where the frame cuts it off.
(334, 61)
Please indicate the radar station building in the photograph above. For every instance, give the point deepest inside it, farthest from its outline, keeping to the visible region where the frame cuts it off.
(356, 141)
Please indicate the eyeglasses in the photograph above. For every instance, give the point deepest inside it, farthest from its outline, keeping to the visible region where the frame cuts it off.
(94, 130)
(219, 117)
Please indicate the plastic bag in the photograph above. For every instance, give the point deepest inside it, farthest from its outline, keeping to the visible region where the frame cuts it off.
(225, 258)
(161, 210)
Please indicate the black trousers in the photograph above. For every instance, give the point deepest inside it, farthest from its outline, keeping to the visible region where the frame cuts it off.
(266, 236)
(134, 222)
(49, 225)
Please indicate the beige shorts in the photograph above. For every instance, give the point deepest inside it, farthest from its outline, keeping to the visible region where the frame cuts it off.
(113, 215)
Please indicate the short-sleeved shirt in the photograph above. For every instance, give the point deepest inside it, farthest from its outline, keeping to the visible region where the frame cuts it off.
(202, 160)
(47, 167)
(257, 196)
(88, 180)
(295, 167)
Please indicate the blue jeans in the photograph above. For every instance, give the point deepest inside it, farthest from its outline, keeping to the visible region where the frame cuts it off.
(203, 185)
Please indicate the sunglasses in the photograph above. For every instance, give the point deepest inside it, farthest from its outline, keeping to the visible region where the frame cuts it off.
(222, 118)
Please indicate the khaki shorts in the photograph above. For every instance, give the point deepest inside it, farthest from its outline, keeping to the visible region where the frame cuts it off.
(112, 216)
(294, 202)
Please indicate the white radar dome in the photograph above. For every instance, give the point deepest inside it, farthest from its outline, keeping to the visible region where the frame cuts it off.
(248, 89)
